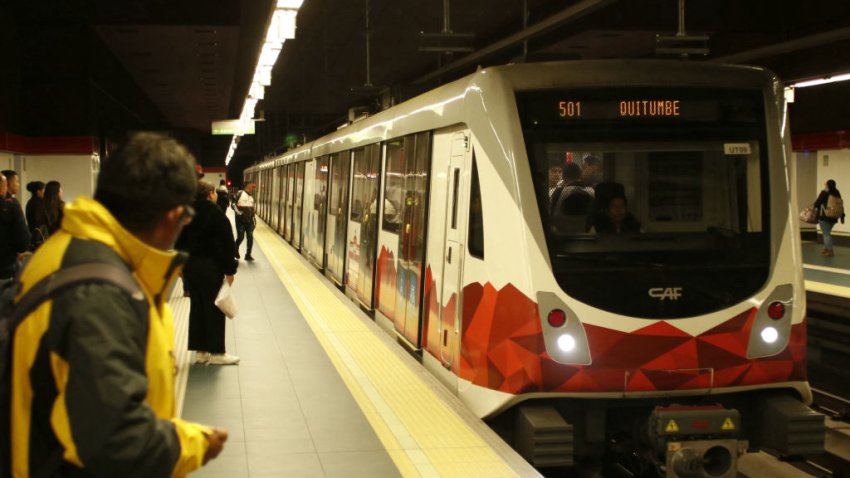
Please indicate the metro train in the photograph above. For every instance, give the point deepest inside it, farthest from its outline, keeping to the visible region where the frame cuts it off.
(671, 347)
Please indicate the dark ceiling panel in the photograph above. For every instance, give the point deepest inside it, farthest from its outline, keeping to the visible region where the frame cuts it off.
(194, 76)
(186, 70)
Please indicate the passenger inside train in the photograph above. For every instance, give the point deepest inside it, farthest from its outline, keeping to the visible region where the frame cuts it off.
(613, 216)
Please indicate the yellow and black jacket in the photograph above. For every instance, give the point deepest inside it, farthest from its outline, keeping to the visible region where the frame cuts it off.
(93, 375)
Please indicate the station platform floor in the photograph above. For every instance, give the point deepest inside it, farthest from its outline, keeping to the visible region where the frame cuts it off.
(321, 390)
(827, 275)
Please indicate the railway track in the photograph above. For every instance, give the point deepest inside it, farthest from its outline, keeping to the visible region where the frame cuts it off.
(829, 328)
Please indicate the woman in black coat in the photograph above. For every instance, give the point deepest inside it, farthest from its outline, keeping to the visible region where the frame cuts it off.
(37, 234)
(825, 222)
(209, 241)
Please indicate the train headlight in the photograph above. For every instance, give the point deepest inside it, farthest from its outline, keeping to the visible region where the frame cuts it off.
(564, 336)
(566, 343)
(771, 326)
(769, 334)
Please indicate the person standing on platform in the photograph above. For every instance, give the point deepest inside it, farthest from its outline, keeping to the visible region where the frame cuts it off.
(223, 200)
(93, 368)
(245, 221)
(826, 219)
(52, 207)
(36, 189)
(14, 236)
(209, 242)
(13, 185)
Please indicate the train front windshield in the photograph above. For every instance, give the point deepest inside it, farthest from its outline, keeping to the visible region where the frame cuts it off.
(655, 201)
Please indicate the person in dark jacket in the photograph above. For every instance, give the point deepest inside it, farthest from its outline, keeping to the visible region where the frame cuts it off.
(52, 208)
(38, 230)
(14, 236)
(209, 242)
(827, 223)
(223, 196)
(36, 189)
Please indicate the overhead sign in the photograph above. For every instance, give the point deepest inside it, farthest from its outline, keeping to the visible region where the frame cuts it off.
(232, 127)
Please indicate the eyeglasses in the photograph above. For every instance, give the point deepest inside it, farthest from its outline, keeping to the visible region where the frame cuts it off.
(187, 215)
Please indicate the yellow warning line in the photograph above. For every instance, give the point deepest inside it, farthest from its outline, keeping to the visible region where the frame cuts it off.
(422, 436)
(830, 289)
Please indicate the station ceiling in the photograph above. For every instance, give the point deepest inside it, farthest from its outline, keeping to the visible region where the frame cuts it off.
(178, 65)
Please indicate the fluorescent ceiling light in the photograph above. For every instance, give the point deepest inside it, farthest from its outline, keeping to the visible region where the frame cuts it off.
(821, 81)
(295, 4)
(263, 75)
(257, 91)
(269, 54)
(282, 26)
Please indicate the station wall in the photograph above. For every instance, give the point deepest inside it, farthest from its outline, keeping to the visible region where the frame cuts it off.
(76, 173)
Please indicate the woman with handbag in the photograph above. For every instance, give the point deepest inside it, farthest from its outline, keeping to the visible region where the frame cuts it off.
(209, 241)
(826, 216)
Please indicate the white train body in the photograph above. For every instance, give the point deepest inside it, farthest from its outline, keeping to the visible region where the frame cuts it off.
(451, 238)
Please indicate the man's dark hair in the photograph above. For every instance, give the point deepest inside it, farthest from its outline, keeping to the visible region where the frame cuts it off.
(571, 172)
(9, 173)
(221, 182)
(144, 178)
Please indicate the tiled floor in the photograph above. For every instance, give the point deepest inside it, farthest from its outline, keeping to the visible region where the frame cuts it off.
(285, 407)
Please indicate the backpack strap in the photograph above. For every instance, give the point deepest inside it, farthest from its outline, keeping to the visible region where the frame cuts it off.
(64, 279)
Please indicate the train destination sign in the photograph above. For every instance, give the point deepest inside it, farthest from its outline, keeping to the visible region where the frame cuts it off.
(637, 105)
(656, 108)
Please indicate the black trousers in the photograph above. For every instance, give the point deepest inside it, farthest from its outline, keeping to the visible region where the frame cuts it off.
(206, 321)
(243, 230)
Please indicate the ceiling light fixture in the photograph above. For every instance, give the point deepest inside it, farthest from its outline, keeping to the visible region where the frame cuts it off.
(820, 81)
(281, 27)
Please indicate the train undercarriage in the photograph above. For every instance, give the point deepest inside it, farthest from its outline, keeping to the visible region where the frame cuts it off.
(681, 437)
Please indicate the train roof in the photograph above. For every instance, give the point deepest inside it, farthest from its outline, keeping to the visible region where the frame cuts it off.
(435, 104)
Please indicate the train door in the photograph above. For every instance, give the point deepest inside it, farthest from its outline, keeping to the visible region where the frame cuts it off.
(281, 201)
(274, 193)
(308, 236)
(455, 218)
(338, 215)
(298, 203)
(402, 236)
(363, 227)
(320, 205)
(290, 189)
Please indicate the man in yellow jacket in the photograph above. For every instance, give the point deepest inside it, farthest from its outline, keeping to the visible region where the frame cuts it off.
(93, 369)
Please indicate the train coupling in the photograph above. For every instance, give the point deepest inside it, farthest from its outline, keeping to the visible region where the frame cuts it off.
(697, 441)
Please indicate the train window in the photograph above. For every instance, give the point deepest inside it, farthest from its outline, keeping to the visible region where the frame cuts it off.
(394, 185)
(475, 240)
(635, 203)
(455, 190)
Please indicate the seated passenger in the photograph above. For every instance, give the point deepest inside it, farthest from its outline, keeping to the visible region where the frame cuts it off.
(615, 217)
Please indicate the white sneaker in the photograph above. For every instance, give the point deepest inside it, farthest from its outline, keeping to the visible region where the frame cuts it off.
(223, 359)
(202, 357)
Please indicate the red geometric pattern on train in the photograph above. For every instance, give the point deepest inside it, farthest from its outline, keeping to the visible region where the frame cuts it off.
(385, 290)
(502, 349)
(431, 340)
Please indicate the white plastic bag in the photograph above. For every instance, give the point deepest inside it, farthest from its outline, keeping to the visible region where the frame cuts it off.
(225, 301)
